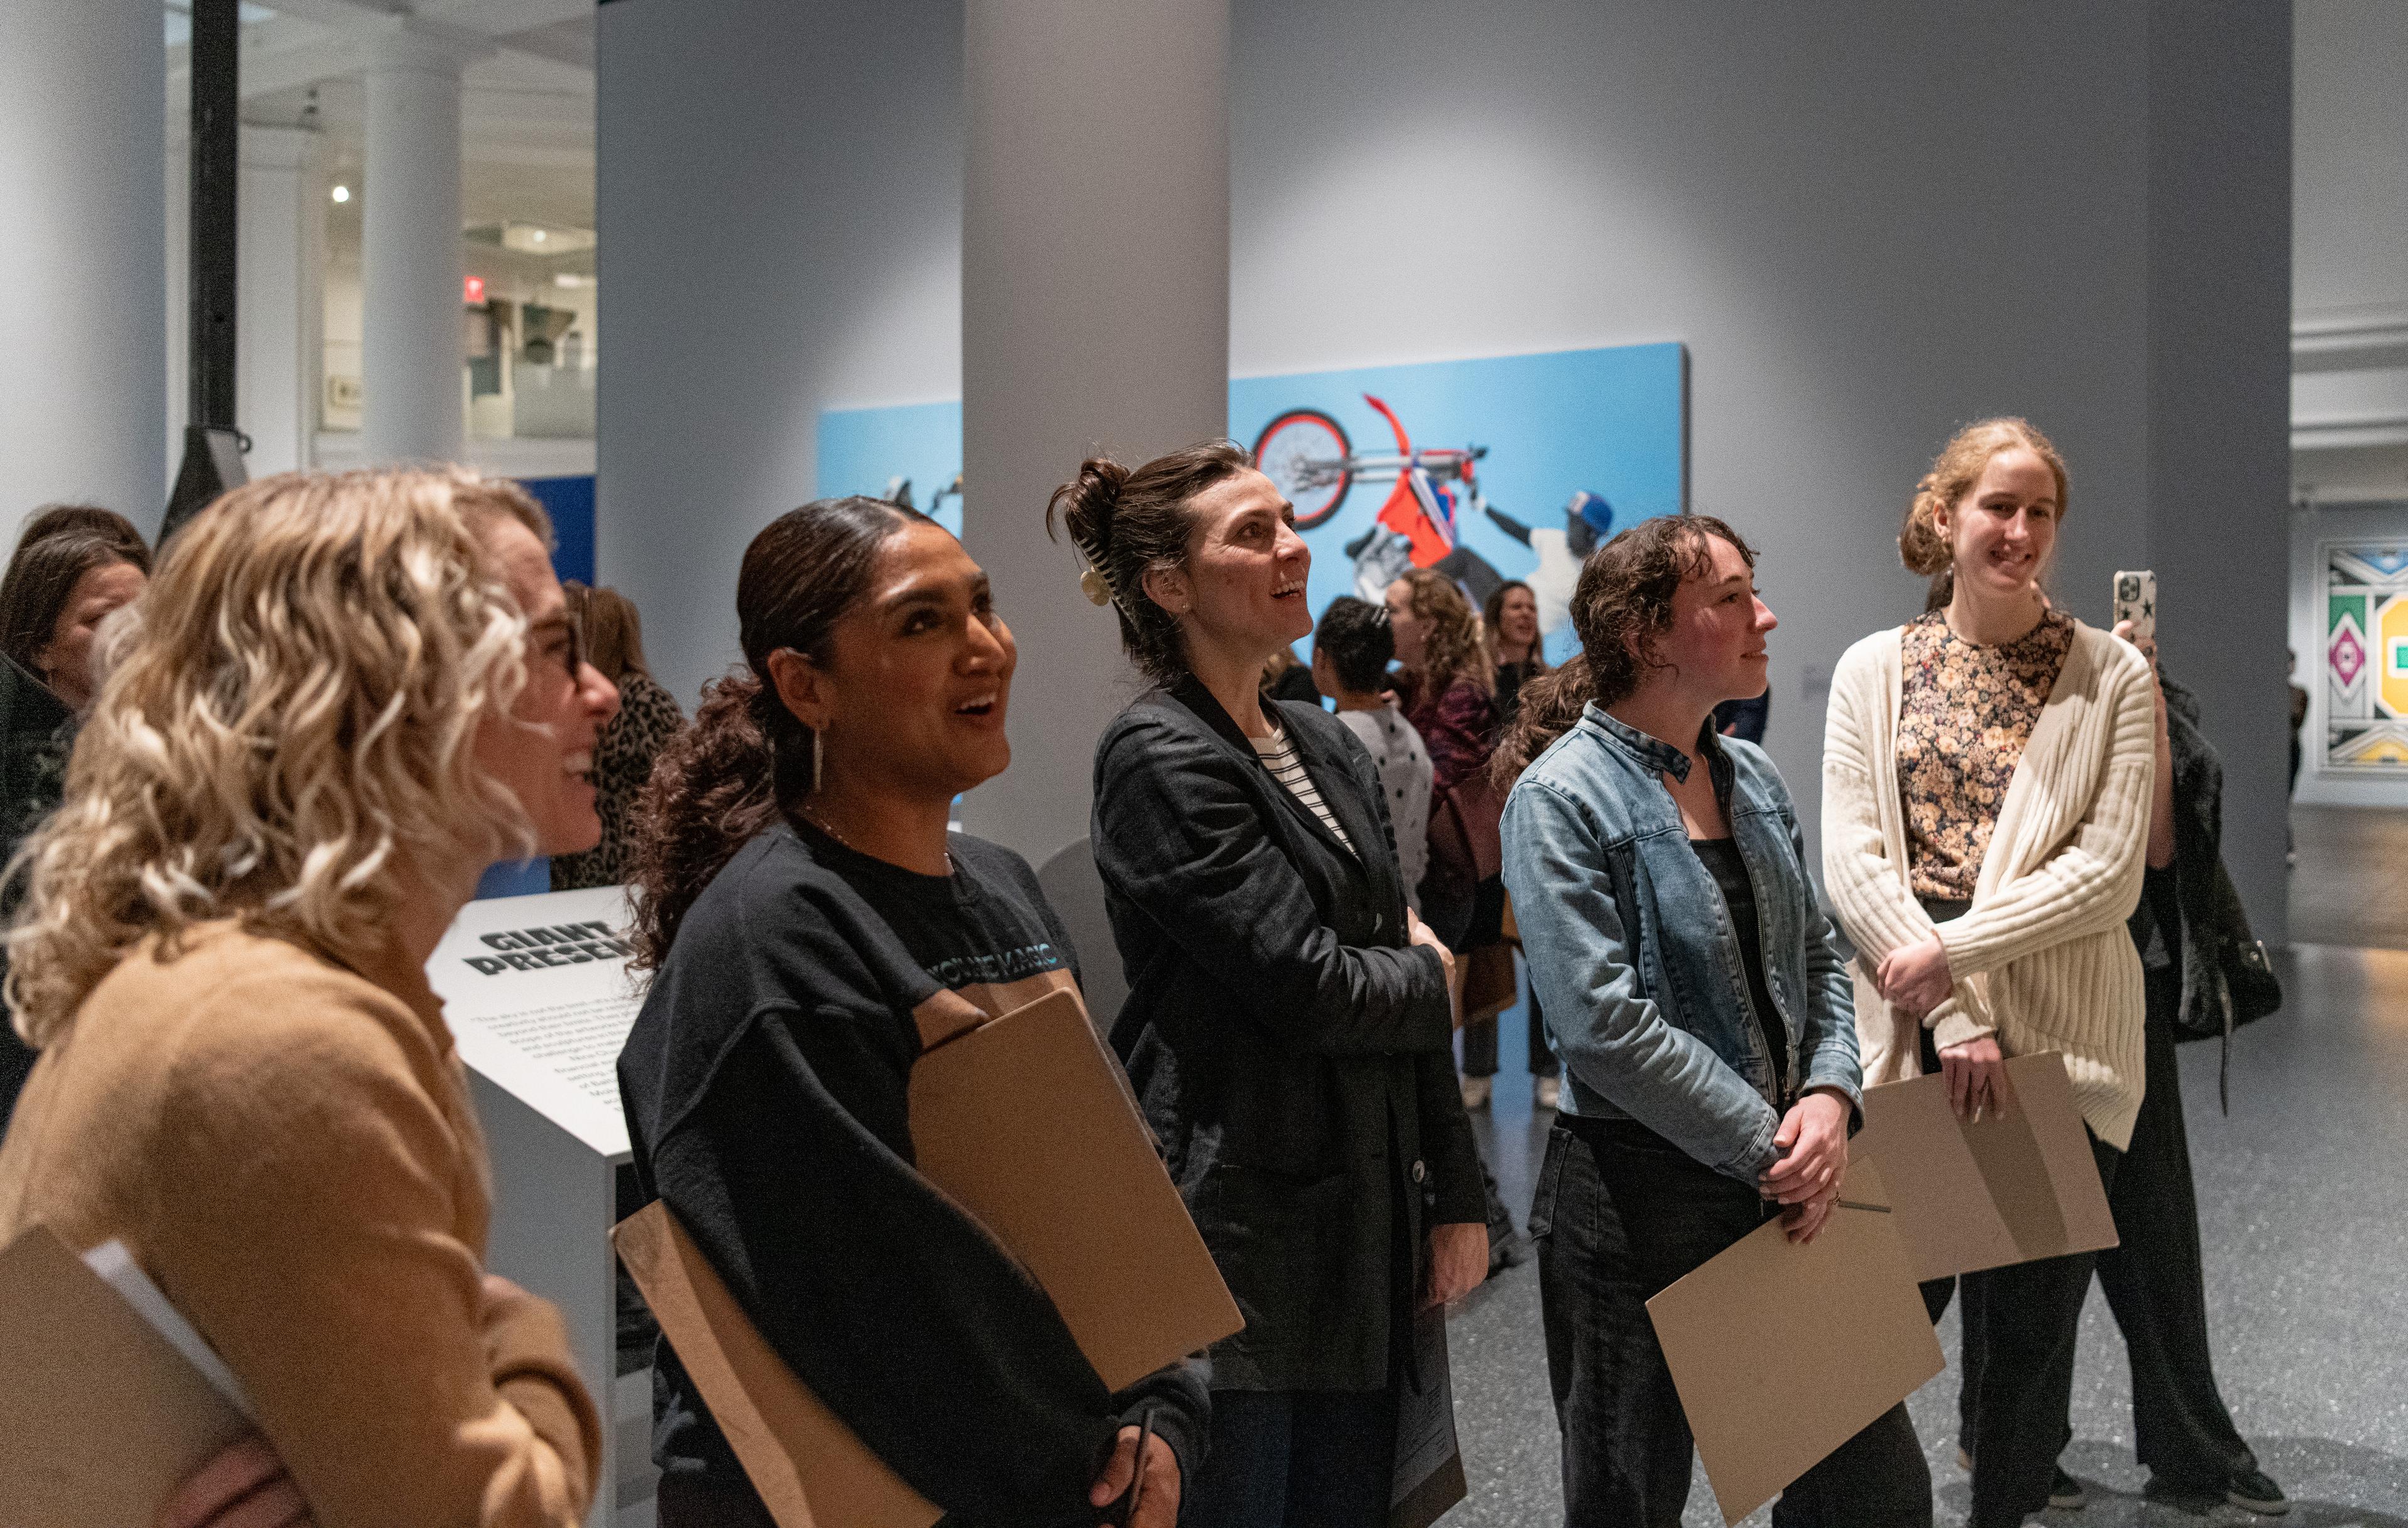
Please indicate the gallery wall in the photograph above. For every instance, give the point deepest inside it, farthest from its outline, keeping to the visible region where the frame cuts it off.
(779, 195)
(1868, 226)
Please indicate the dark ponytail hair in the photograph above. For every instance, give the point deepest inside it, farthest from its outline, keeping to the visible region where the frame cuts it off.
(747, 759)
(1126, 522)
(1623, 602)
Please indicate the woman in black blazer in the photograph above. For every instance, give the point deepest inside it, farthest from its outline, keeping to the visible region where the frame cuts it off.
(1288, 1027)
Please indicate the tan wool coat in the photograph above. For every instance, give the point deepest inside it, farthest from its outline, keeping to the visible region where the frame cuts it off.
(287, 1147)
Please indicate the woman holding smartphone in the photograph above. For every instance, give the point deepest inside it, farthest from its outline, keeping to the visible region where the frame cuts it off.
(800, 901)
(1989, 781)
(1699, 1004)
(1287, 1025)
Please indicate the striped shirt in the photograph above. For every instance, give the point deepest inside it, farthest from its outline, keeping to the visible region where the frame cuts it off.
(1279, 757)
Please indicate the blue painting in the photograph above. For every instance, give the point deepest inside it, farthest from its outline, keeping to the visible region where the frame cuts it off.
(1508, 467)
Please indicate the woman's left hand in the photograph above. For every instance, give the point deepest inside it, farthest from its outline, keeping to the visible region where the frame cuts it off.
(1458, 1261)
(1814, 1142)
(245, 1486)
(1915, 978)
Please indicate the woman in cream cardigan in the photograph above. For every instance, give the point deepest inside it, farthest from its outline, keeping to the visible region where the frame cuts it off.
(1988, 778)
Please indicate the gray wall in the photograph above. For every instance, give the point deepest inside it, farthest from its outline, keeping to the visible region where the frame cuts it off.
(1868, 223)
(780, 193)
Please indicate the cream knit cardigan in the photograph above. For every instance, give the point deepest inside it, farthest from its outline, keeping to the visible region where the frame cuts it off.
(2041, 958)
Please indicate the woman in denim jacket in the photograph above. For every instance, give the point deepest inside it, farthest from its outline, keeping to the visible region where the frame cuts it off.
(1703, 1015)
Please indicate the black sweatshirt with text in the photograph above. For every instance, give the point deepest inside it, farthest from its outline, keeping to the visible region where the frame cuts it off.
(766, 1085)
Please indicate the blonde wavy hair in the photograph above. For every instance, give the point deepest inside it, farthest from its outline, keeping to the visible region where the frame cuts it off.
(289, 719)
(1956, 470)
(1454, 649)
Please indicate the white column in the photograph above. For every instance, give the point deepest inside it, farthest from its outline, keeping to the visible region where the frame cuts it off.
(413, 404)
(82, 252)
(279, 243)
(1095, 313)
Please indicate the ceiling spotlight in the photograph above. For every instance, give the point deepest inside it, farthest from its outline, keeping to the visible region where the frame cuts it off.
(342, 193)
(538, 236)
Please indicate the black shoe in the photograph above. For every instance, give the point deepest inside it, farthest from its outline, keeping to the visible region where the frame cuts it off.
(2250, 1490)
(2065, 1491)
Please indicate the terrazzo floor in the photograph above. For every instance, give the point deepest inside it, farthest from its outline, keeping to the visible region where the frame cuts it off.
(2303, 1195)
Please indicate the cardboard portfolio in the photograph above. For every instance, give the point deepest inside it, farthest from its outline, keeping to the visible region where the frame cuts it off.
(1027, 1123)
(1782, 1352)
(2013, 1188)
(100, 1415)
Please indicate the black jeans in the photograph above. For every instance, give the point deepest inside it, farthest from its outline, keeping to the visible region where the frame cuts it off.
(2153, 1281)
(1618, 1218)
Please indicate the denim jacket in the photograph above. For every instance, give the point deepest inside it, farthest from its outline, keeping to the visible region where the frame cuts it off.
(1632, 951)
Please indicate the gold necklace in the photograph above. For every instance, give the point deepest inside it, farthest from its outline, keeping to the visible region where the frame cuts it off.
(825, 826)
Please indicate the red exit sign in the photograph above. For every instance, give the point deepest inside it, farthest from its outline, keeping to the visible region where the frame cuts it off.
(473, 291)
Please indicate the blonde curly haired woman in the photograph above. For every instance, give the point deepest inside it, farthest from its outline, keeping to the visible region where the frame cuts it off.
(342, 698)
(1990, 787)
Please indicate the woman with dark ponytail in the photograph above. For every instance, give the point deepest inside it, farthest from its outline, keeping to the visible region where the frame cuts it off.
(798, 899)
(1288, 1026)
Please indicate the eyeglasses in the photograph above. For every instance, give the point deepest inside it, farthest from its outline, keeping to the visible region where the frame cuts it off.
(572, 655)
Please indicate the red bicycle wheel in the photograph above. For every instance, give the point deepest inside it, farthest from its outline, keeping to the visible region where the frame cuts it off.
(1305, 454)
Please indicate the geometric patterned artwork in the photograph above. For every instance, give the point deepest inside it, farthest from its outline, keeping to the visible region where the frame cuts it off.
(2366, 659)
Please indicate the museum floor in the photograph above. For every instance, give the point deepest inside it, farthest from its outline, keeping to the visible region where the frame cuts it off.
(2303, 1196)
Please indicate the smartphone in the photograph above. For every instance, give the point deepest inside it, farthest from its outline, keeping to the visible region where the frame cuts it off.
(2136, 601)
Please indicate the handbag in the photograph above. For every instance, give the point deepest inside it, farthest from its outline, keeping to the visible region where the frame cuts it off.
(1466, 838)
(2239, 987)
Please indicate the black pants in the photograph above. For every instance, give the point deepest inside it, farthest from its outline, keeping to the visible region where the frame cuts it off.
(1295, 1459)
(1617, 1220)
(1480, 1044)
(2153, 1281)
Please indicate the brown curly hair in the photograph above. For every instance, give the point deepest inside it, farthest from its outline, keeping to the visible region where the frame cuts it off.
(1623, 602)
(1453, 650)
(1954, 472)
(747, 760)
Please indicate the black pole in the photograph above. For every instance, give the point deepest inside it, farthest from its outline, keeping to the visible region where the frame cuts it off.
(212, 445)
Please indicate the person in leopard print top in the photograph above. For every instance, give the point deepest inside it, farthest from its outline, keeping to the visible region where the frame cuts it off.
(648, 718)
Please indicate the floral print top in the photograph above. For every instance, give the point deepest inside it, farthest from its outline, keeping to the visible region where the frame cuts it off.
(1966, 712)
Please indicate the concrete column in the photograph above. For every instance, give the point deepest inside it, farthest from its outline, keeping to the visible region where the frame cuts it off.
(2220, 321)
(412, 406)
(82, 235)
(1094, 314)
(280, 257)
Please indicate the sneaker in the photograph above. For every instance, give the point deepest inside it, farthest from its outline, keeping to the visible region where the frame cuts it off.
(2251, 1490)
(1476, 1090)
(1546, 1093)
(2065, 1493)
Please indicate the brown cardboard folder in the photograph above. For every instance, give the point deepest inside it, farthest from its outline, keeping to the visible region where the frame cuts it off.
(100, 1416)
(1027, 1123)
(2009, 1189)
(1782, 1352)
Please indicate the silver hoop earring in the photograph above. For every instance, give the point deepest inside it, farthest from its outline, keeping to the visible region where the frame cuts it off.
(815, 761)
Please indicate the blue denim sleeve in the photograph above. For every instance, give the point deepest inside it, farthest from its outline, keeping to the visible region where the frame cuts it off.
(1613, 1037)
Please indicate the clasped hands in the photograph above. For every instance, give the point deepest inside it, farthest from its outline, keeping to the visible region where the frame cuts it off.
(1915, 979)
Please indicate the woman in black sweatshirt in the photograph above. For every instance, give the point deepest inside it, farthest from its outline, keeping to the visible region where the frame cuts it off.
(799, 897)
(1288, 1026)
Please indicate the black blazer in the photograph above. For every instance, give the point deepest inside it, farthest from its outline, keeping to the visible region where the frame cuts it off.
(1291, 1049)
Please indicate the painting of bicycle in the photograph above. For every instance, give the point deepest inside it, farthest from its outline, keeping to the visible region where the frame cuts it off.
(1491, 469)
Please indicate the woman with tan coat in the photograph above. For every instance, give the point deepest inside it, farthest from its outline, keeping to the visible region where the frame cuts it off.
(1988, 775)
(342, 699)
